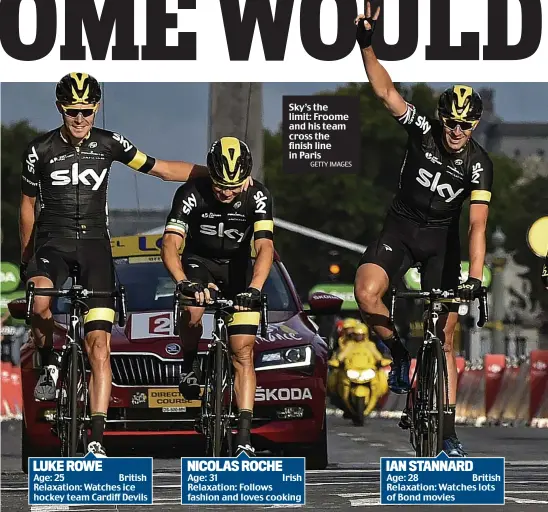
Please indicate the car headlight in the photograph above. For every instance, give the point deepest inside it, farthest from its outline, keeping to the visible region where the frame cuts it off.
(294, 357)
(361, 376)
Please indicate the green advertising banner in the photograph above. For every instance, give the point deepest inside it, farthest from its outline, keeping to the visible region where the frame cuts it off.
(343, 291)
(9, 277)
(413, 281)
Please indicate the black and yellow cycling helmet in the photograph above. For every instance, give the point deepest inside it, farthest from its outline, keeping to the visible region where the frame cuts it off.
(229, 162)
(461, 105)
(78, 88)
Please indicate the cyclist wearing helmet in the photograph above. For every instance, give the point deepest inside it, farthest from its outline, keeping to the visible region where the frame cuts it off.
(217, 221)
(68, 170)
(443, 166)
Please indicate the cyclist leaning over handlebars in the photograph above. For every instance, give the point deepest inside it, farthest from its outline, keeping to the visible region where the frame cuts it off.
(217, 220)
(442, 167)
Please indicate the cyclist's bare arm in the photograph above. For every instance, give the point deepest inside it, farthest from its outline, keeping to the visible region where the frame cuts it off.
(26, 225)
(169, 170)
(264, 248)
(380, 80)
(177, 171)
(171, 244)
(476, 238)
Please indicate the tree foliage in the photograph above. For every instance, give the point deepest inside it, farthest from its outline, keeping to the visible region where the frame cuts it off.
(353, 206)
(15, 139)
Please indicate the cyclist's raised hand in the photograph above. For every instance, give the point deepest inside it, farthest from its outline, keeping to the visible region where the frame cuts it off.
(365, 26)
(247, 183)
(246, 300)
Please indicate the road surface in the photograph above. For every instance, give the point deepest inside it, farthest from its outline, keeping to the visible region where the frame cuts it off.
(352, 479)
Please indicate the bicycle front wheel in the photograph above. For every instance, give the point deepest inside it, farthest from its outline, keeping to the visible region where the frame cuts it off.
(436, 400)
(218, 409)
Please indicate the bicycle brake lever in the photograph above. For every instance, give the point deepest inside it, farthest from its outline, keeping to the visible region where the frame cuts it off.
(176, 314)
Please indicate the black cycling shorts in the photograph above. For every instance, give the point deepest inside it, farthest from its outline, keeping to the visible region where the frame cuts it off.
(231, 277)
(404, 243)
(54, 257)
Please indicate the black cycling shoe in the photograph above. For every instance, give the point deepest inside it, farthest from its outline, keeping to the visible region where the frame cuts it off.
(189, 385)
(398, 378)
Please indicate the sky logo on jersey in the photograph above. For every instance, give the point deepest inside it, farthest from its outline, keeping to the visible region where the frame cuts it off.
(423, 124)
(444, 190)
(260, 201)
(74, 176)
(32, 158)
(124, 142)
(189, 203)
(477, 169)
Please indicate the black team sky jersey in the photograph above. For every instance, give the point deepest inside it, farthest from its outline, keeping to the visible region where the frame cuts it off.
(433, 182)
(71, 182)
(216, 230)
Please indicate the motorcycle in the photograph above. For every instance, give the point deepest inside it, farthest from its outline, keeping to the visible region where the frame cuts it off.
(356, 383)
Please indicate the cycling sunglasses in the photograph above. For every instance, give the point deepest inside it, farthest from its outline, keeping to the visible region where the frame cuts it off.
(224, 187)
(464, 125)
(73, 112)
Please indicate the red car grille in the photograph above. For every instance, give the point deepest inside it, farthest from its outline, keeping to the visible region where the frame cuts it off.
(144, 370)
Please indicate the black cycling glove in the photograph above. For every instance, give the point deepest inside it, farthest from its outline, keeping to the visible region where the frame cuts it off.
(469, 288)
(189, 288)
(544, 276)
(363, 35)
(248, 299)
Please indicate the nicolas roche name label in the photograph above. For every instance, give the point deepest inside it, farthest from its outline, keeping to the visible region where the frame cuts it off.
(442, 481)
(243, 481)
(90, 480)
(321, 134)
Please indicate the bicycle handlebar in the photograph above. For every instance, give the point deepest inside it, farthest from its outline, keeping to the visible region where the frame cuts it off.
(76, 293)
(481, 294)
(216, 304)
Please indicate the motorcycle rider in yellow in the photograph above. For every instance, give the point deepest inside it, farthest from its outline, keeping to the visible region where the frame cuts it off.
(348, 326)
(359, 340)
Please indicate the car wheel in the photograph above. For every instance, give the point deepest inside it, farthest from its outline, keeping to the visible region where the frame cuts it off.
(316, 453)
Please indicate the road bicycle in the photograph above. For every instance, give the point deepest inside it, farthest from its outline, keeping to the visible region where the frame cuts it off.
(216, 420)
(72, 418)
(428, 401)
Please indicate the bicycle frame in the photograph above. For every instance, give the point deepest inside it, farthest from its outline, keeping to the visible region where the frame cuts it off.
(72, 377)
(216, 415)
(430, 365)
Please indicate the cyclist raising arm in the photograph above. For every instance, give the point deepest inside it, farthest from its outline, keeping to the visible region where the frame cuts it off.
(442, 166)
(68, 170)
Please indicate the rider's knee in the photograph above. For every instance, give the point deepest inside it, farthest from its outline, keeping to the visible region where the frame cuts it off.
(41, 306)
(367, 295)
(98, 347)
(192, 318)
(243, 356)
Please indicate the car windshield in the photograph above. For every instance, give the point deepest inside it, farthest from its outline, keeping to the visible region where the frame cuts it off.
(149, 287)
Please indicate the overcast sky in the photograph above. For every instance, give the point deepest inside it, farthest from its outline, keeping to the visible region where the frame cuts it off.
(169, 121)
